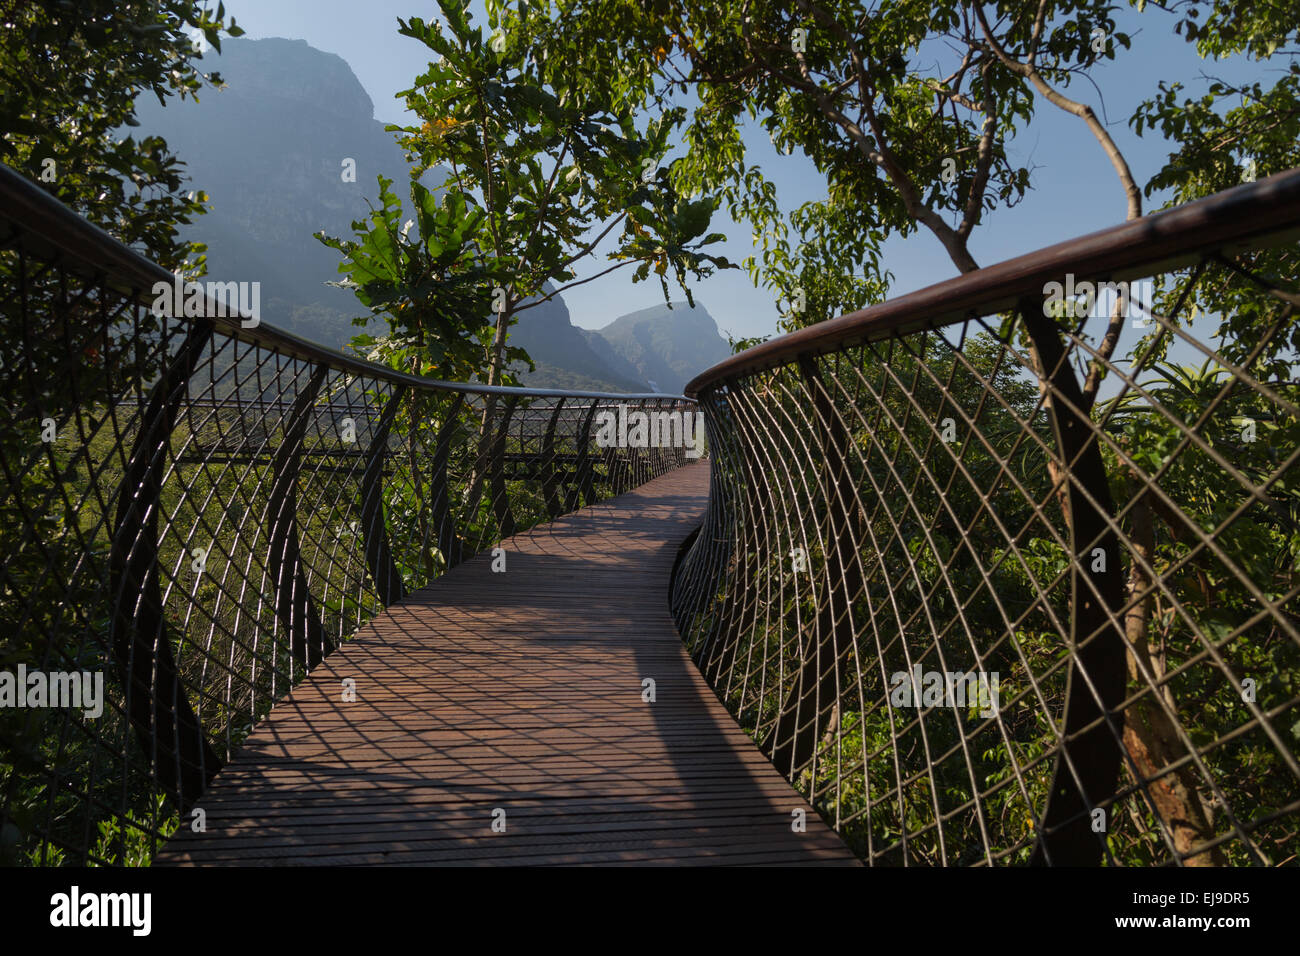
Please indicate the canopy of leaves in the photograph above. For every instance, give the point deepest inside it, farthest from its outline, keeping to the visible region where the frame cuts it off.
(904, 107)
(536, 180)
(434, 293)
(71, 73)
(548, 167)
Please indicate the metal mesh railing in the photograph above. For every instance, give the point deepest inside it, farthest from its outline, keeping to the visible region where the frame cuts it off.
(984, 604)
(197, 512)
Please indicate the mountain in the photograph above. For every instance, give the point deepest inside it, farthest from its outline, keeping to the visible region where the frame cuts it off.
(269, 149)
(654, 350)
(565, 356)
(667, 346)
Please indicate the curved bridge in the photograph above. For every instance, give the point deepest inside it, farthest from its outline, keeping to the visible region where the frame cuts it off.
(958, 583)
(502, 717)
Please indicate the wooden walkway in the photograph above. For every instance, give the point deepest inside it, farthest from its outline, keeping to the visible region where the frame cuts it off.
(518, 692)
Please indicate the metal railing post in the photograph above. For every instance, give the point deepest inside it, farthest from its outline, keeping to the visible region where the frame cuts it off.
(550, 469)
(293, 601)
(160, 712)
(379, 555)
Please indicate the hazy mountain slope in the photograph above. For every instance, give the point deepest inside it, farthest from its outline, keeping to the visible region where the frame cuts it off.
(269, 150)
(667, 347)
(607, 354)
(564, 355)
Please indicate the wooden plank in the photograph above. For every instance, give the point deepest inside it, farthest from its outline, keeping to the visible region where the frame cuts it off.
(519, 691)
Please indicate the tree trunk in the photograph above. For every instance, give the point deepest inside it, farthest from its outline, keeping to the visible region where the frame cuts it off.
(496, 369)
(1150, 732)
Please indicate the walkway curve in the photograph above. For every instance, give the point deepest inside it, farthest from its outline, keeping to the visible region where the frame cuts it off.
(516, 698)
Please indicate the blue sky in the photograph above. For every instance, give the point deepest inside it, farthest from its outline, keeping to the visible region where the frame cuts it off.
(1075, 189)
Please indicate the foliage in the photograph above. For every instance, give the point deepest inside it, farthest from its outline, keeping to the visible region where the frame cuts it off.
(72, 73)
(534, 174)
(129, 841)
(745, 342)
(906, 109)
(430, 287)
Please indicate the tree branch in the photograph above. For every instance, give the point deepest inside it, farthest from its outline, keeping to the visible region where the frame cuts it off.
(591, 245)
(1028, 70)
(571, 285)
(876, 151)
(983, 164)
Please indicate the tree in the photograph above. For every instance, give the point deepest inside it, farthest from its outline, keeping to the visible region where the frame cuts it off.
(545, 170)
(905, 109)
(431, 288)
(72, 73)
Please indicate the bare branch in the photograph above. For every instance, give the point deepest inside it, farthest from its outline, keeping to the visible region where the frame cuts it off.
(571, 285)
(983, 164)
(591, 245)
(1081, 110)
(874, 148)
